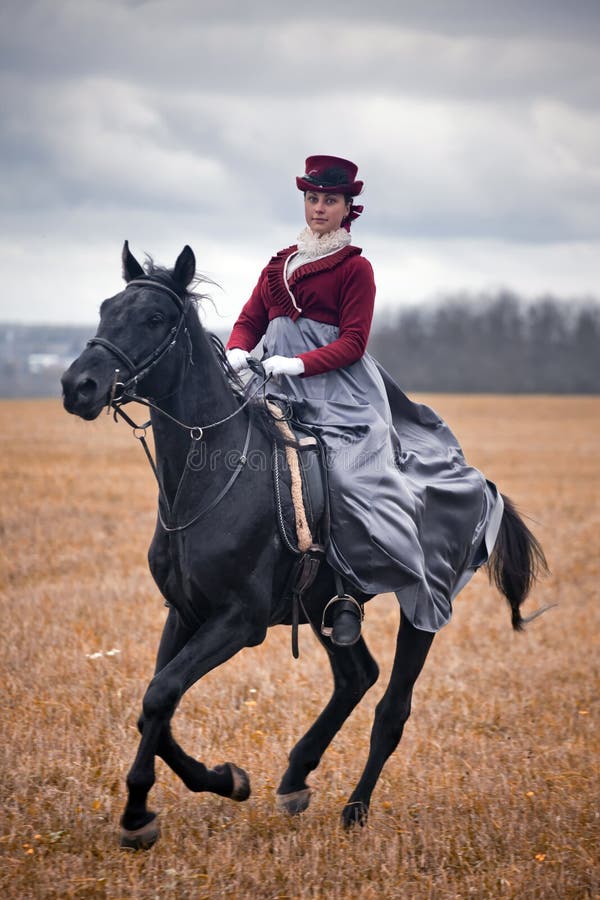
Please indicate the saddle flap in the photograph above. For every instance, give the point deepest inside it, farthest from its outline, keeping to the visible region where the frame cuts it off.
(301, 493)
(314, 480)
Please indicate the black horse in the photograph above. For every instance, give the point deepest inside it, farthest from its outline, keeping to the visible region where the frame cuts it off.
(217, 555)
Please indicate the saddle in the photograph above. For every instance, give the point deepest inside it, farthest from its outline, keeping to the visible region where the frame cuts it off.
(302, 505)
(301, 502)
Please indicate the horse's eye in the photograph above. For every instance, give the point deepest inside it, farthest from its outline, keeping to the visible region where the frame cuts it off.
(155, 320)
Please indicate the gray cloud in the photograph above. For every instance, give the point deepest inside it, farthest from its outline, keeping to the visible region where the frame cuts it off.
(174, 122)
(431, 167)
(463, 48)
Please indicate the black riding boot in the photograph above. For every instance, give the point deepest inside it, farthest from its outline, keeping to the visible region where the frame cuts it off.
(346, 625)
(342, 617)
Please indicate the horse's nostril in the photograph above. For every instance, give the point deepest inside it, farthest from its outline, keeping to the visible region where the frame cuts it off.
(86, 388)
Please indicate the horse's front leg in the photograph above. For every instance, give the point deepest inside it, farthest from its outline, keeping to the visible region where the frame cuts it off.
(392, 712)
(216, 641)
(228, 780)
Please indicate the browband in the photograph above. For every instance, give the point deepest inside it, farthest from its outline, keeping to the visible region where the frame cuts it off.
(157, 284)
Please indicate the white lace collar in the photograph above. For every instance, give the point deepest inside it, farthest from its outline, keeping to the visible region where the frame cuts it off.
(314, 245)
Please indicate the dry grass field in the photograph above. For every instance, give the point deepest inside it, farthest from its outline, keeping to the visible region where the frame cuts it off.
(493, 791)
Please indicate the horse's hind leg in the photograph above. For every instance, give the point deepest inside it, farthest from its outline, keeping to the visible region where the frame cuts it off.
(354, 671)
(391, 715)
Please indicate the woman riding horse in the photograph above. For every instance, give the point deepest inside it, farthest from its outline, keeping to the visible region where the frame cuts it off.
(407, 513)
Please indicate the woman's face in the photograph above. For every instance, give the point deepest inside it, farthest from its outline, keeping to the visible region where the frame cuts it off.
(324, 212)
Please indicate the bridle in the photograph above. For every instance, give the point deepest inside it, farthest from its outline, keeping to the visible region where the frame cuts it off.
(127, 391)
(138, 371)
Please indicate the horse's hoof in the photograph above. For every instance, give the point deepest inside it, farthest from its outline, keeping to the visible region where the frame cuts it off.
(141, 838)
(241, 783)
(355, 813)
(295, 803)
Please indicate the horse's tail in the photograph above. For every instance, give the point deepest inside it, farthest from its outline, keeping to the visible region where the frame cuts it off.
(515, 562)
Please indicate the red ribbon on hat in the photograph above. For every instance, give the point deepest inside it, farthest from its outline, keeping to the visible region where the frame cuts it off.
(354, 213)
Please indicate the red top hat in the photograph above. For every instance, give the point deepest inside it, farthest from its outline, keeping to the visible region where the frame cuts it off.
(331, 174)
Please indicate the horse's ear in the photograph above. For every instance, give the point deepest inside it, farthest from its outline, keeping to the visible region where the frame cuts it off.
(131, 267)
(185, 267)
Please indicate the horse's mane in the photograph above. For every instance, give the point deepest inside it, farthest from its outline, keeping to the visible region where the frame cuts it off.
(257, 408)
(161, 273)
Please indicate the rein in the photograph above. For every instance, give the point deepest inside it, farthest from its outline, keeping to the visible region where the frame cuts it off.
(139, 432)
(196, 432)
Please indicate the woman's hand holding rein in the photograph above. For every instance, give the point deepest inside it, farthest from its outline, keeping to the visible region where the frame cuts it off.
(275, 365)
(237, 359)
(283, 365)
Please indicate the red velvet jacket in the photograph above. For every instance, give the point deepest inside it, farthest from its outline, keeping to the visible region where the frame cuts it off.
(338, 289)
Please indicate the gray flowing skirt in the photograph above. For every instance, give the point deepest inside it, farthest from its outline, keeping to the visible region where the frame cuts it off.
(408, 514)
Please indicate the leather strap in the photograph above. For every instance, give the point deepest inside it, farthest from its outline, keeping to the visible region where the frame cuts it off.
(102, 342)
(240, 465)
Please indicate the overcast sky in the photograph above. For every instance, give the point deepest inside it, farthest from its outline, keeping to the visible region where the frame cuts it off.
(475, 125)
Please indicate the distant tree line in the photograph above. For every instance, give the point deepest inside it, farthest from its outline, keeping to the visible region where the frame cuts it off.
(463, 343)
(492, 343)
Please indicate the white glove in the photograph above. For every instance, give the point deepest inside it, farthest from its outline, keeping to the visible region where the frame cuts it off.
(283, 365)
(237, 359)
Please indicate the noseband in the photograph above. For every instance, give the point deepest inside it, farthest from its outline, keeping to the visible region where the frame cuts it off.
(140, 370)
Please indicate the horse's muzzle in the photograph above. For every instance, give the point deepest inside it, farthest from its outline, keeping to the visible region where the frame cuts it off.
(82, 395)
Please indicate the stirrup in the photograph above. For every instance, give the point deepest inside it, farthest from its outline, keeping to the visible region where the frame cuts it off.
(327, 630)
